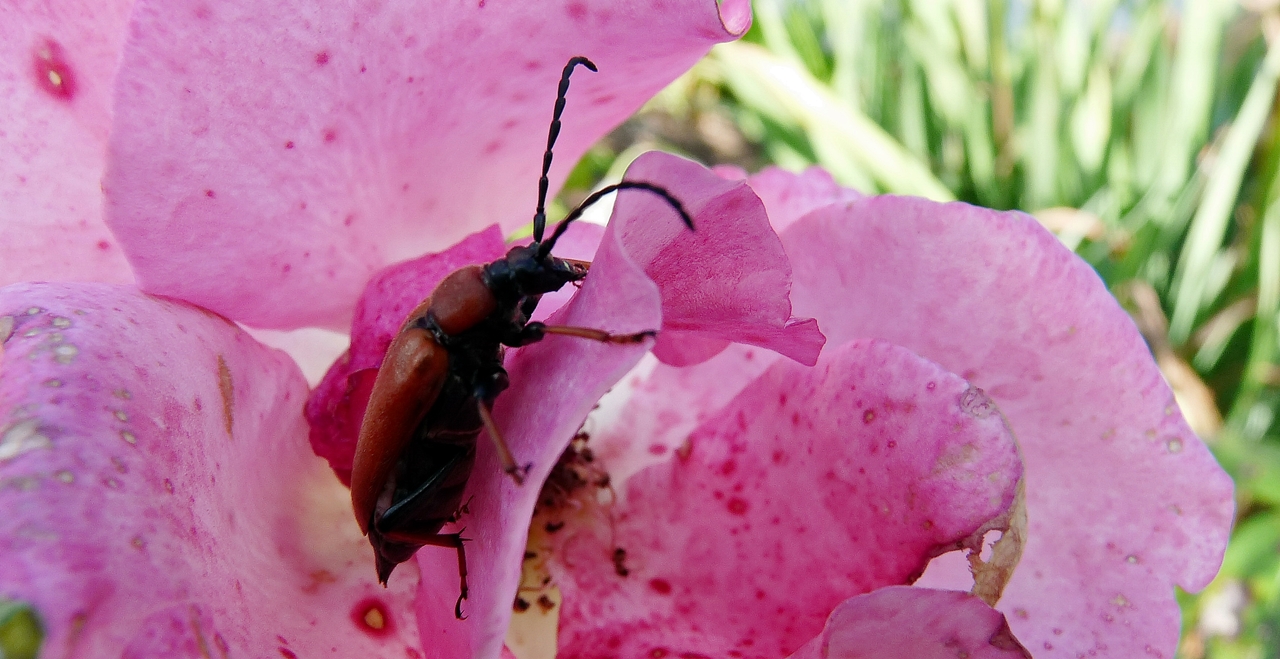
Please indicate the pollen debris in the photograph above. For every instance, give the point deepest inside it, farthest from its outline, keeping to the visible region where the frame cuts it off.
(578, 492)
(620, 562)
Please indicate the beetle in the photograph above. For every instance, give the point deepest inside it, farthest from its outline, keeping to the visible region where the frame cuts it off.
(435, 389)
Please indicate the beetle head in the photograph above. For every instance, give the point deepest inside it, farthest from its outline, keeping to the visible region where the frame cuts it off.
(526, 272)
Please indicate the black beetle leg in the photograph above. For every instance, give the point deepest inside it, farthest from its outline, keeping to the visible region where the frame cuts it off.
(505, 457)
(453, 540)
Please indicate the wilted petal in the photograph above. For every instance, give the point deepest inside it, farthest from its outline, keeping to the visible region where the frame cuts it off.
(915, 623)
(728, 280)
(268, 158)
(812, 486)
(1123, 500)
(159, 496)
(57, 62)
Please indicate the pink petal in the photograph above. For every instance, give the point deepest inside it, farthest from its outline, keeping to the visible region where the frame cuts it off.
(728, 280)
(266, 159)
(57, 62)
(556, 383)
(915, 623)
(312, 348)
(789, 197)
(662, 405)
(1124, 501)
(160, 498)
(814, 485)
(336, 407)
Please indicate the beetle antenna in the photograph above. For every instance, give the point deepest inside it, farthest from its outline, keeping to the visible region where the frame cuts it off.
(545, 248)
(540, 215)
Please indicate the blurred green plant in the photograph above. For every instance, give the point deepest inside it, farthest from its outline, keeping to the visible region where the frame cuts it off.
(1143, 133)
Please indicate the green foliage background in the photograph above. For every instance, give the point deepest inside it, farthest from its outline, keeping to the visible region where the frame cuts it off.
(1142, 133)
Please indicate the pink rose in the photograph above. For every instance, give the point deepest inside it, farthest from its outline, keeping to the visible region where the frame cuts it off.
(267, 163)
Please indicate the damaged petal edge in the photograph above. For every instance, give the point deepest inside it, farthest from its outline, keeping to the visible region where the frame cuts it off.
(990, 577)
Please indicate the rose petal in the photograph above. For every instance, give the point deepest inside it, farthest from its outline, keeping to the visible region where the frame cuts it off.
(873, 457)
(266, 159)
(313, 349)
(789, 196)
(663, 404)
(160, 498)
(915, 623)
(57, 61)
(336, 406)
(728, 280)
(1123, 500)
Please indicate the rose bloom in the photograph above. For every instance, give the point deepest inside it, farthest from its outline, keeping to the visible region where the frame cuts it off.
(847, 395)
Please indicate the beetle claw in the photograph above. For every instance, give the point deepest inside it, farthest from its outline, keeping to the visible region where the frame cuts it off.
(457, 607)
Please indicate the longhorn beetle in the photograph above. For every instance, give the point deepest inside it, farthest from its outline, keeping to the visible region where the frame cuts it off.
(435, 389)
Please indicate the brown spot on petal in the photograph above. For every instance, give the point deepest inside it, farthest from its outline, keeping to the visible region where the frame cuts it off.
(53, 75)
(227, 388)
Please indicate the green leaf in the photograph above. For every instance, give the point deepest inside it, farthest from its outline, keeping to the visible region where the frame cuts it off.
(21, 632)
(1209, 226)
(789, 90)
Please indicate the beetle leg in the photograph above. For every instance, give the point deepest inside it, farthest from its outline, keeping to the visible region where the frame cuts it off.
(535, 332)
(505, 457)
(597, 335)
(453, 540)
(585, 265)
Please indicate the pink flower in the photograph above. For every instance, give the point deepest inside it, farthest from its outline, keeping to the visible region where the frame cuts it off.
(267, 163)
